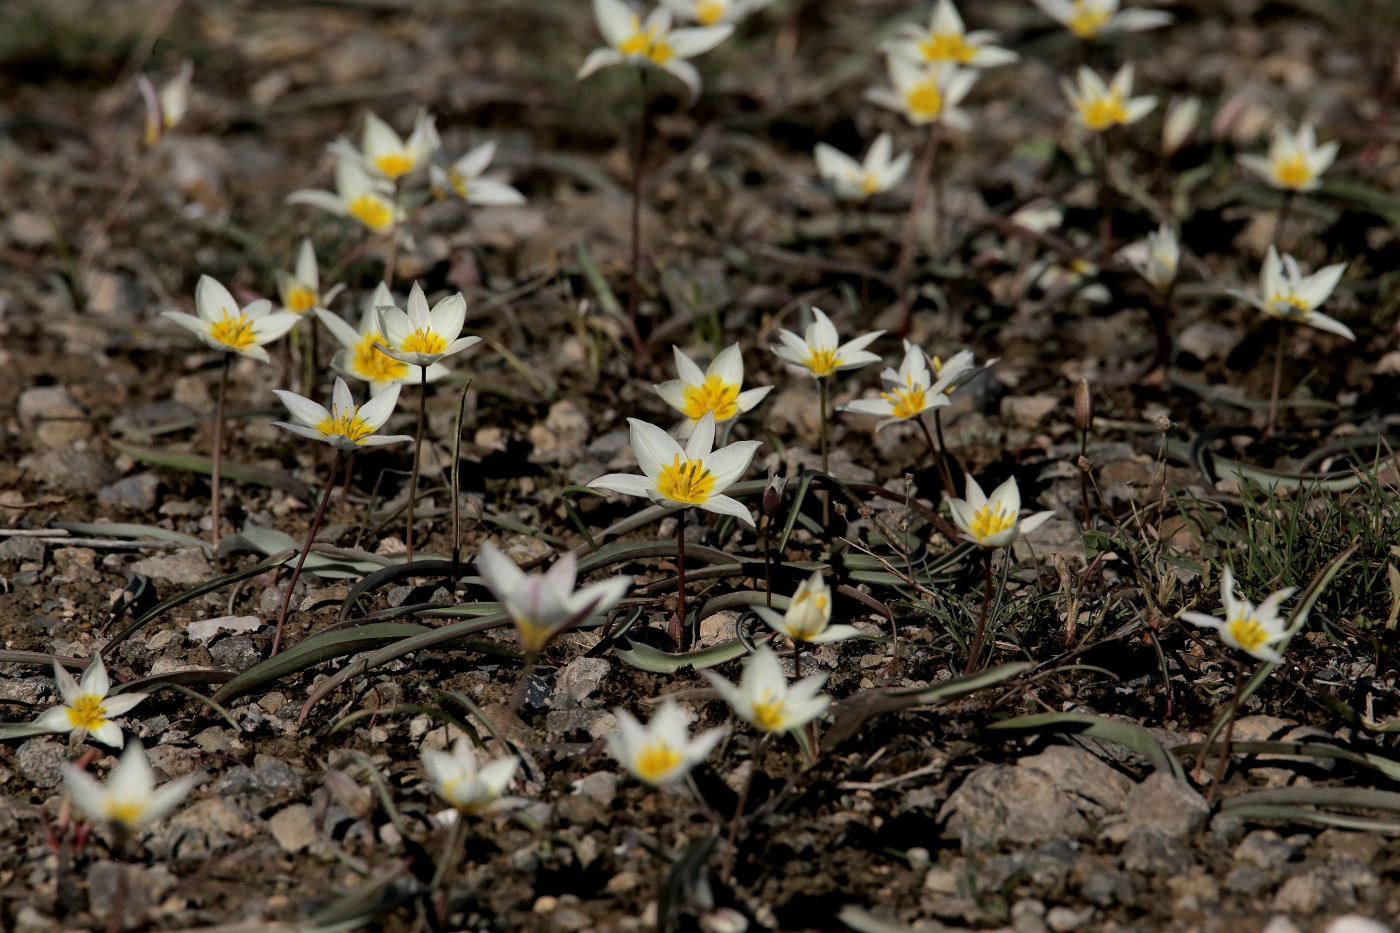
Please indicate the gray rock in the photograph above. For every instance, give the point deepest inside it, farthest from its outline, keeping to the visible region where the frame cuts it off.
(138, 493)
(25, 689)
(185, 567)
(147, 416)
(1166, 805)
(235, 653)
(1248, 881)
(578, 724)
(1264, 849)
(70, 470)
(1154, 853)
(272, 778)
(600, 786)
(53, 416)
(1106, 888)
(1028, 916)
(1064, 919)
(22, 548)
(41, 760)
(293, 827)
(145, 887)
(580, 679)
(1043, 866)
(1312, 892)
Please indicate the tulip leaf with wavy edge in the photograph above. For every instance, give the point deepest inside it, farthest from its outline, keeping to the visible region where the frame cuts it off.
(331, 563)
(238, 472)
(654, 661)
(1296, 618)
(1386, 766)
(1296, 803)
(126, 531)
(853, 712)
(1213, 466)
(1126, 734)
(185, 596)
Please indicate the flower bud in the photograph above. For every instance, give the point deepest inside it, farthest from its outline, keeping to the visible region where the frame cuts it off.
(1180, 124)
(350, 794)
(773, 495)
(810, 609)
(1083, 406)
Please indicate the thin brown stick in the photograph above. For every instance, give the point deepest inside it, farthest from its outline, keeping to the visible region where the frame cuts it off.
(316, 520)
(906, 246)
(417, 453)
(214, 506)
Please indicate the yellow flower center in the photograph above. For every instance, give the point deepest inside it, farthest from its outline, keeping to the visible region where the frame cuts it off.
(869, 183)
(126, 812)
(822, 362)
(534, 637)
(1287, 304)
(87, 712)
(424, 341)
(648, 43)
(714, 394)
(301, 299)
(660, 52)
(817, 618)
(1085, 21)
(988, 521)
(709, 12)
(1247, 632)
(233, 332)
(394, 164)
(656, 761)
(1293, 171)
(1102, 112)
(686, 481)
(906, 402)
(924, 101)
(371, 211)
(768, 713)
(373, 364)
(947, 47)
(346, 423)
(458, 181)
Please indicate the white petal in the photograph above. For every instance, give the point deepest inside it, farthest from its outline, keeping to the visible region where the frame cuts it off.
(729, 463)
(724, 505)
(448, 316)
(686, 369)
(751, 397)
(302, 409)
(702, 438)
(653, 447)
(1330, 324)
(86, 793)
(212, 301)
(629, 484)
(378, 409)
(686, 73)
(344, 334)
(614, 20)
(597, 60)
(690, 42)
(489, 192)
(500, 573)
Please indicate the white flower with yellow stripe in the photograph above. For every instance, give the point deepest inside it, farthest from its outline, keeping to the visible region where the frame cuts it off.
(819, 351)
(808, 616)
(662, 751)
(87, 709)
(925, 93)
(457, 779)
(1247, 627)
(223, 325)
(1089, 19)
(909, 391)
(650, 43)
(465, 177)
(420, 337)
(359, 195)
(718, 390)
(680, 477)
(996, 521)
(1295, 161)
(1289, 295)
(1099, 106)
(359, 356)
(388, 155)
(1156, 259)
(947, 40)
(129, 798)
(345, 425)
(300, 290)
(858, 181)
(713, 12)
(764, 699)
(543, 605)
(165, 108)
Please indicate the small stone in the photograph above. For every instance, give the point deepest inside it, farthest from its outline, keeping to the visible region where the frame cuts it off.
(1264, 849)
(579, 679)
(1247, 881)
(215, 740)
(941, 881)
(1028, 410)
(22, 549)
(1280, 924)
(600, 786)
(1312, 892)
(76, 564)
(1065, 919)
(30, 229)
(137, 493)
(42, 761)
(1107, 888)
(53, 415)
(718, 627)
(570, 724)
(1028, 916)
(1166, 805)
(545, 904)
(1206, 340)
(185, 567)
(235, 653)
(293, 827)
(70, 470)
(1154, 853)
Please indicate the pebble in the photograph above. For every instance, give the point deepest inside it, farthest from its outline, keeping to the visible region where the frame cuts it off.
(1264, 848)
(1107, 888)
(139, 493)
(1247, 881)
(185, 567)
(1063, 919)
(579, 679)
(70, 469)
(600, 786)
(293, 827)
(1312, 892)
(235, 652)
(22, 549)
(1155, 853)
(1167, 806)
(53, 415)
(41, 760)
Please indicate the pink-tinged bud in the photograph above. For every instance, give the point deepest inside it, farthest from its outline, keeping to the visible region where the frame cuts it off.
(351, 795)
(1083, 406)
(773, 495)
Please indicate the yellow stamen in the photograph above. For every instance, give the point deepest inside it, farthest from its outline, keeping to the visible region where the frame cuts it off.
(1287, 304)
(87, 712)
(869, 183)
(714, 394)
(233, 332)
(347, 423)
(373, 364)
(128, 813)
(656, 761)
(988, 521)
(946, 47)
(300, 299)
(906, 402)
(638, 43)
(371, 211)
(394, 164)
(821, 362)
(924, 101)
(768, 713)
(1247, 632)
(1292, 171)
(424, 341)
(534, 636)
(1100, 113)
(709, 12)
(1085, 22)
(685, 481)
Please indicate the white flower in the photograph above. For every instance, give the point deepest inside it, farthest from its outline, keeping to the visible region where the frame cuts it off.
(1156, 258)
(385, 153)
(909, 391)
(855, 181)
(224, 326)
(542, 605)
(1245, 626)
(358, 194)
(1179, 124)
(714, 12)
(1088, 19)
(359, 355)
(763, 697)
(662, 751)
(716, 390)
(925, 94)
(165, 108)
(947, 40)
(458, 781)
(87, 710)
(421, 337)
(1295, 161)
(1100, 106)
(994, 522)
(678, 477)
(465, 177)
(301, 290)
(958, 370)
(808, 617)
(346, 426)
(129, 798)
(653, 43)
(819, 351)
(1287, 294)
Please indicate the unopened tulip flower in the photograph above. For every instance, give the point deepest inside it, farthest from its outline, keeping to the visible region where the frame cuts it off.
(718, 390)
(679, 477)
(808, 616)
(662, 751)
(909, 391)
(925, 94)
(301, 290)
(385, 153)
(465, 178)
(130, 798)
(165, 108)
(764, 699)
(420, 337)
(1099, 106)
(1156, 258)
(650, 44)
(1295, 161)
(994, 522)
(87, 709)
(365, 197)
(856, 181)
(458, 780)
(947, 40)
(1287, 294)
(345, 425)
(819, 351)
(1179, 124)
(1089, 19)
(713, 12)
(223, 325)
(1247, 627)
(542, 605)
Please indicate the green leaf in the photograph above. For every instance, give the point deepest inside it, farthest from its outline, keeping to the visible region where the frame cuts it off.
(238, 472)
(1126, 734)
(268, 541)
(650, 659)
(312, 651)
(129, 532)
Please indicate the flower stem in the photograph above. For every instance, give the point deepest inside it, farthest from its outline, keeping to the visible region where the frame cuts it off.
(453, 850)
(936, 451)
(215, 511)
(1284, 213)
(306, 549)
(417, 454)
(906, 247)
(639, 347)
(825, 394)
(392, 262)
(680, 578)
(1106, 199)
(1229, 734)
(974, 652)
(1278, 379)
